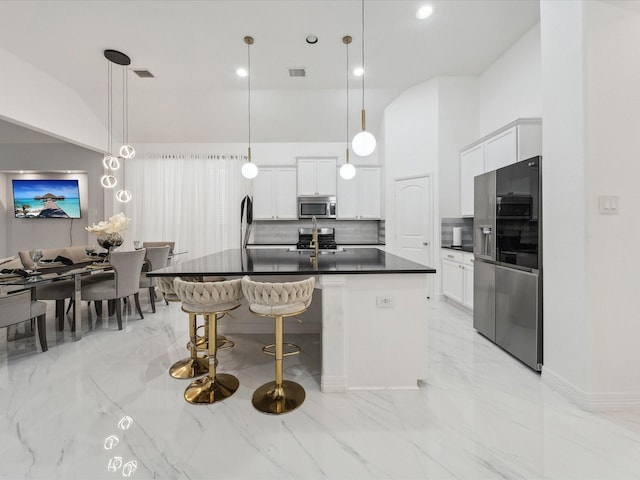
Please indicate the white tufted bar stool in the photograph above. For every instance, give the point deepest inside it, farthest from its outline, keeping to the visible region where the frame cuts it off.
(212, 300)
(196, 364)
(278, 300)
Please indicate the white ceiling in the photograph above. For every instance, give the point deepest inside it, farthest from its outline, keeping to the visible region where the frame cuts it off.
(194, 47)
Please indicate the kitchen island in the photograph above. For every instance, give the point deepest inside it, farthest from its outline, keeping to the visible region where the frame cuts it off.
(373, 309)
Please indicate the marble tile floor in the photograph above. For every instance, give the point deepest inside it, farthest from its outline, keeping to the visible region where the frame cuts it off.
(106, 408)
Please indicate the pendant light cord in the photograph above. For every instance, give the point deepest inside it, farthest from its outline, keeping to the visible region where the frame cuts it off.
(249, 93)
(124, 106)
(363, 69)
(109, 107)
(347, 70)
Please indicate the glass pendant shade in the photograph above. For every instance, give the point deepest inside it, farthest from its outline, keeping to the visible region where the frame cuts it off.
(249, 170)
(110, 162)
(347, 171)
(363, 143)
(127, 151)
(108, 181)
(123, 196)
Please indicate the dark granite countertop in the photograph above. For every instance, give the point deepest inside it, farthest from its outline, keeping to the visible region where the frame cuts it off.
(463, 248)
(238, 262)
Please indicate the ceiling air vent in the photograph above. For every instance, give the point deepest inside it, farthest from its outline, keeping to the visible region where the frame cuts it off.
(297, 72)
(144, 73)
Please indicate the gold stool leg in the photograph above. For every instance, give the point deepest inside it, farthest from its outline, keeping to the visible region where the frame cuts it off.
(281, 396)
(213, 387)
(192, 366)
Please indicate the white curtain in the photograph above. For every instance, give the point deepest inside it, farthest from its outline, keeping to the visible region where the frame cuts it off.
(192, 199)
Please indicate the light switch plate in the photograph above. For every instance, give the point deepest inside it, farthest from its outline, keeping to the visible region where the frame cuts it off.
(609, 204)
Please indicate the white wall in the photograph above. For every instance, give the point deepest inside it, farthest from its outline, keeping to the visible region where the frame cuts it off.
(591, 133)
(512, 86)
(20, 234)
(274, 153)
(53, 108)
(411, 144)
(458, 126)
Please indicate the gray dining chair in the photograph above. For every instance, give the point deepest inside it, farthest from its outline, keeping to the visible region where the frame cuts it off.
(156, 258)
(62, 290)
(126, 282)
(18, 307)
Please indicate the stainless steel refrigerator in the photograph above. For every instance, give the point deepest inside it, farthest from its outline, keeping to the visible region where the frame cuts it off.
(507, 274)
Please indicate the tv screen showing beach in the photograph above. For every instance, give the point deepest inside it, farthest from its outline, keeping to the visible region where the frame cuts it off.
(46, 198)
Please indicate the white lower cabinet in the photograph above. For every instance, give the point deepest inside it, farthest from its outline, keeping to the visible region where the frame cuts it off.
(457, 277)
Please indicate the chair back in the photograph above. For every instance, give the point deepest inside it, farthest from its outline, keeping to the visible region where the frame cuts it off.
(127, 266)
(284, 298)
(15, 308)
(208, 296)
(156, 259)
(160, 244)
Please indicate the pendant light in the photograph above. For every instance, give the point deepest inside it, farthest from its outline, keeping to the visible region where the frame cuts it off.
(126, 150)
(363, 143)
(347, 171)
(249, 169)
(109, 162)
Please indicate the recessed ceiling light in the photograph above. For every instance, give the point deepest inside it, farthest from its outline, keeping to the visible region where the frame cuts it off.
(358, 71)
(311, 39)
(424, 12)
(242, 72)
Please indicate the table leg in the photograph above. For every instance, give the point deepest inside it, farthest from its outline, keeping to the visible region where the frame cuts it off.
(77, 307)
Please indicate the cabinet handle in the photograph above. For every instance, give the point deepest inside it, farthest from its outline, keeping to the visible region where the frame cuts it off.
(449, 256)
(425, 243)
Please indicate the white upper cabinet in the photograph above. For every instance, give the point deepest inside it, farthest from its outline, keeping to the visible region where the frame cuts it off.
(501, 150)
(514, 142)
(274, 194)
(359, 198)
(317, 176)
(471, 164)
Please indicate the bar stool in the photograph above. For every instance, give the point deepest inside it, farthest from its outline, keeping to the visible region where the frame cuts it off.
(195, 364)
(212, 300)
(278, 300)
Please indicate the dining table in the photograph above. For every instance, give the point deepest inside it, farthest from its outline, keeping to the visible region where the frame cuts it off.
(54, 272)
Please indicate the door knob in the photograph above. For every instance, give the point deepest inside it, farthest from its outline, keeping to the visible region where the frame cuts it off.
(425, 243)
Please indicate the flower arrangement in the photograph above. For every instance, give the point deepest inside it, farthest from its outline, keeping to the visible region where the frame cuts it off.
(116, 224)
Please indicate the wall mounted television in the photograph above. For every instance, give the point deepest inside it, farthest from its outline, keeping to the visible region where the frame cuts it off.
(46, 198)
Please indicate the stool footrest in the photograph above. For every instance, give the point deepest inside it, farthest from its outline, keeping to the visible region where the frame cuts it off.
(270, 349)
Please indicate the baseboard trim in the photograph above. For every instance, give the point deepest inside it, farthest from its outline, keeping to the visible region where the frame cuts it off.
(591, 402)
(333, 384)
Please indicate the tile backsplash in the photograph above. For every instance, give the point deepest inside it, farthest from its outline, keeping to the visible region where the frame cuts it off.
(347, 231)
(446, 230)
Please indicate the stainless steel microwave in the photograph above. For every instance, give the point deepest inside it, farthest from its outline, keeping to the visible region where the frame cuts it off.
(319, 207)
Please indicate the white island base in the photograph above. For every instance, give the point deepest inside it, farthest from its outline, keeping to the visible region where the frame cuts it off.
(368, 343)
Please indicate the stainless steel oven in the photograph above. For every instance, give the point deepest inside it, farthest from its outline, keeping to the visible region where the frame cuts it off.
(319, 207)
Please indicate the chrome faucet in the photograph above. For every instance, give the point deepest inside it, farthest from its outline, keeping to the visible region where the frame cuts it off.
(314, 242)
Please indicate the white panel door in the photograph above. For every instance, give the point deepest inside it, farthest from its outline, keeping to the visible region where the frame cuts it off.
(414, 222)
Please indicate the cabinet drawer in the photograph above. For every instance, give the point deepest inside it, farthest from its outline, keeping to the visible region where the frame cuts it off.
(451, 255)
